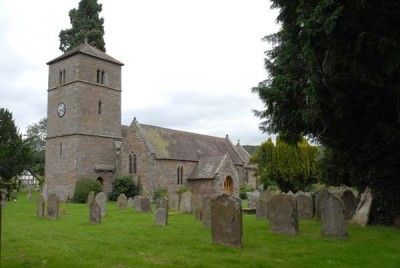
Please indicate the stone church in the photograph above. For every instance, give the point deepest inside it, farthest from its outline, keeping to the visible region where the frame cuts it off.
(85, 137)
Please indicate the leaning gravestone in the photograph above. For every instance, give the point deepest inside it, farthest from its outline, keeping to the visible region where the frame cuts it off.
(262, 204)
(322, 194)
(122, 201)
(161, 216)
(173, 201)
(305, 207)
(206, 211)
(94, 212)
(226, 221)
(53, 204)
(332, 217)
(101, 200)
(136, 203)
(252, 198)
(185, 203)
(361, 217)
(350, 204)
(40, 206)
(145, 204)
(130, 202)
(90, 198)
(282, 215)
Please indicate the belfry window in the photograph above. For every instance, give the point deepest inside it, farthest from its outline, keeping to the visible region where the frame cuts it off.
(99, 107)
(130, 164)
(98, 76)
(134, 164)
(63, 76)
(102, 77)
(60, 77)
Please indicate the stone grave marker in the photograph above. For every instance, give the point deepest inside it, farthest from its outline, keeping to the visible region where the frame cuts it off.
(161, 216)
(136, 203)
(94, 212)
(145, 204)
(323, 193)
(185, 202)
(361, 217)
(53, 205)
(173, 201)
(332, 217)
(226, 221)
(206, 211)
(350, 204)
(122, 201)
(40, 206)
(252, 198)
(262, 204)
(162, 202)
(282, 215)
(130, 202)
(102, 201)
(305, 206)
(90, 198)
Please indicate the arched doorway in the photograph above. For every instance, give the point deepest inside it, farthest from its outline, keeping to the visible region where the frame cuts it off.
(100, 179)
(228, 185)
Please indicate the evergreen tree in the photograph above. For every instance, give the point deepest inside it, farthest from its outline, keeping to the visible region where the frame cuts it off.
(334, 76)
(37, 134)
(86, 25)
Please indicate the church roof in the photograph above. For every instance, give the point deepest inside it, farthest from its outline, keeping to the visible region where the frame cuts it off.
(207, 167)
(181, 145)
(243, 154)
(89, 50)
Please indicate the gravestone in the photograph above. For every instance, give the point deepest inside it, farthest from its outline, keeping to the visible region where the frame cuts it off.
(53, 205)
(196, 202)
(94, 212)
(173, 201)
(185, 202)
(305, 207)
(282, 215)
(136, 203)
(40, 206)
(197, 214)
(162, 202)
(101, 200)
(361, 217)
(145, 204)
(350, 204)
(130, 202)
(206, 211)
(323, 193)
(332, 217)
(161, 216)
(90, 198)
(252, 198)
(122, 201)
(262, 204)
(226, 220)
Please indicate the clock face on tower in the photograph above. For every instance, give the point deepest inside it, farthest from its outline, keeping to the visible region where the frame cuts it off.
(61, 109)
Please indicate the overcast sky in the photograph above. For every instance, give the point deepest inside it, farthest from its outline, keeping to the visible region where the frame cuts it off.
(189, 64)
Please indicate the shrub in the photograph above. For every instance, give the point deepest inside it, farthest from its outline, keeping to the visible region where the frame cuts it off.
(243, 190)
(182, 189)
(125, 185)
(83, 188)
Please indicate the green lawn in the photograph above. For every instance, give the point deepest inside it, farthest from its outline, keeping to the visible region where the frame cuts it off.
(130, 239)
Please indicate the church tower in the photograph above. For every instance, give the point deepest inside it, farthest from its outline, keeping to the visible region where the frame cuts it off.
(84, 119)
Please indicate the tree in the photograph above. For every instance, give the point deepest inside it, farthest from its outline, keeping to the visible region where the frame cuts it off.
(86, 25)
(333, 76)
(291, 167)
(37, 134)
(15, 152)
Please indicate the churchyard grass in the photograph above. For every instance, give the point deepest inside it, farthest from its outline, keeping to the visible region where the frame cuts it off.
(131, 239)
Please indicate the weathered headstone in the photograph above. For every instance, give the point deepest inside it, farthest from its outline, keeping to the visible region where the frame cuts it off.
(197, 214)
(173, 201)
(252, 198)
(322, 194)
(40, 205)
(350, 204)
(130, 202)
(197, 200)
(361, 217)
(161, 216)
(102, 201)
(262, 204)
(162, 202)
(145, 204)
(136, 203)
(185, 202)
(305, 207)
(122, 201)
(94, 212)
(90, 198)
(282, 215)
(206, 211)
(332, 217)
(53, 204)
(226, 220)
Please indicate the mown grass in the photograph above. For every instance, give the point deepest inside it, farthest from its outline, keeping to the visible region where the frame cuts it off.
(130, 239)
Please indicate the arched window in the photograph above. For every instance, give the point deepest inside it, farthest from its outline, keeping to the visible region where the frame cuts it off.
(102, 77)
(134, 164)
(228, 185)
(63, 77)
(98, 76)
(130, 163)
(60, 77)
(60, 148)
(179, 175)
(99, 107)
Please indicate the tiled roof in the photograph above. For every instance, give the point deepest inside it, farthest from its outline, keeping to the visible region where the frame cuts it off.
(87, 50)
(207, 167)
(243, 154)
